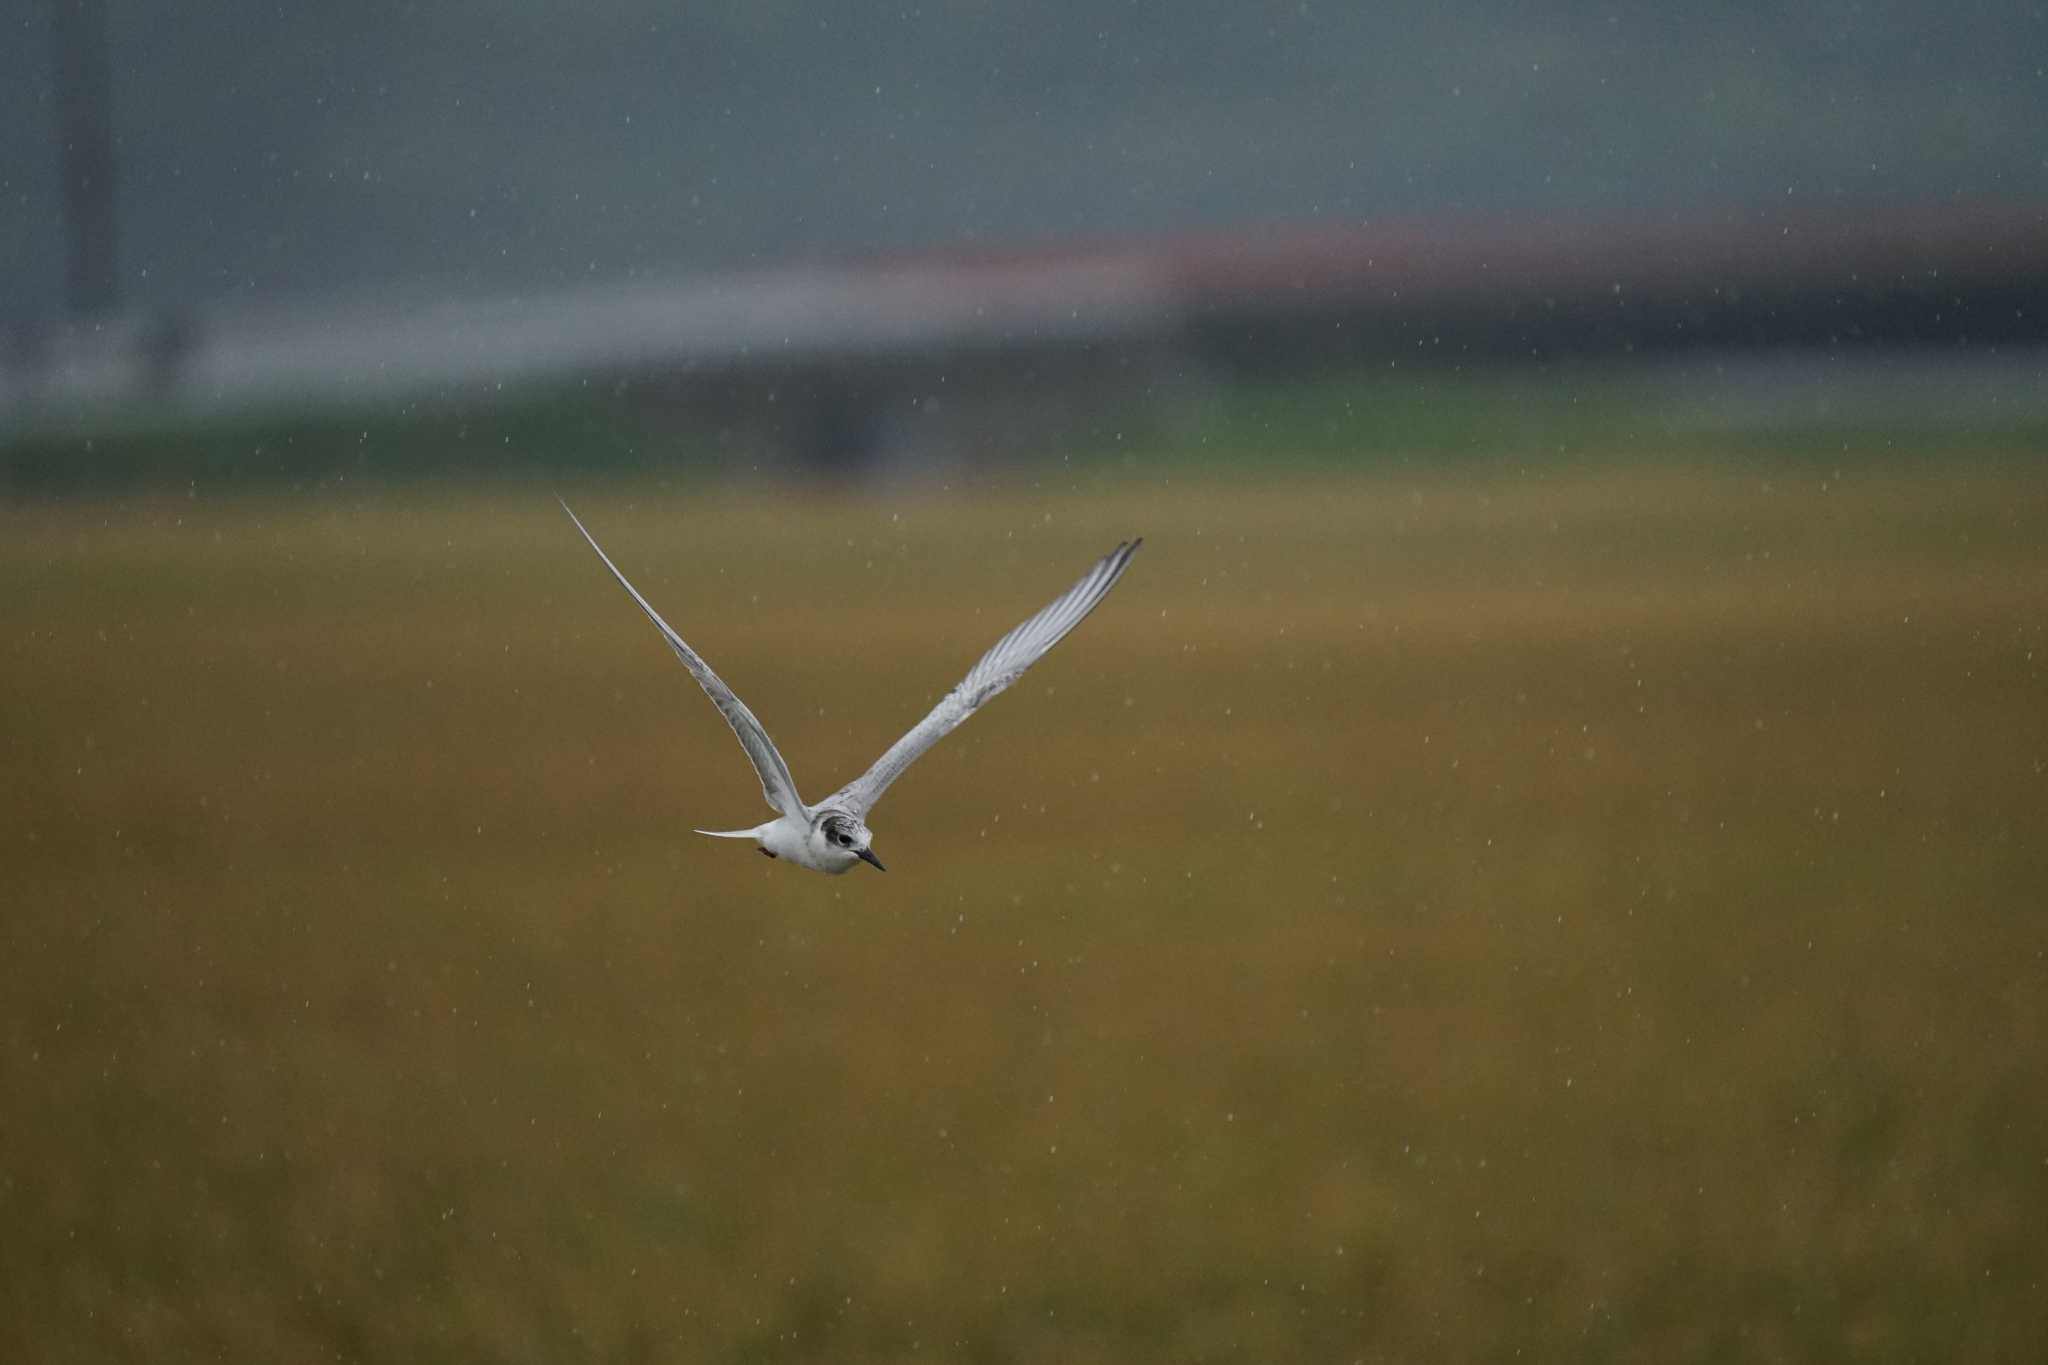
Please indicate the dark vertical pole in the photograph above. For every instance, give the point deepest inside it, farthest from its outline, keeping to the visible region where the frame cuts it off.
(85, 122)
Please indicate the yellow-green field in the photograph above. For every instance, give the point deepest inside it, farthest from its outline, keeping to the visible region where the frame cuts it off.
(1494, 915)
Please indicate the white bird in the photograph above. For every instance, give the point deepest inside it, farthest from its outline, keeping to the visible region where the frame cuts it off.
(833, 835)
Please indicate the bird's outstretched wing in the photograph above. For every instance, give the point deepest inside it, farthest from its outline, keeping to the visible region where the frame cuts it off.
(1001, 666)
(776, 783)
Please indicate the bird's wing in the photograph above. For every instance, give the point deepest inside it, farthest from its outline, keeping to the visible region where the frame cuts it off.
(776, 783)
(1001, 666)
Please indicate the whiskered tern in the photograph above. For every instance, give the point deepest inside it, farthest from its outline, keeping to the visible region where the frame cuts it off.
(833, 835)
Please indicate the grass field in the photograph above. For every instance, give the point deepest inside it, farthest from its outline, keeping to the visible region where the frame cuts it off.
(1587, 916)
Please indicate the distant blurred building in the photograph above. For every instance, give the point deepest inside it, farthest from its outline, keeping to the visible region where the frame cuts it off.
(929, 359)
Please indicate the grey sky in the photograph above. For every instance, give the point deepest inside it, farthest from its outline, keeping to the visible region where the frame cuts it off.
(383, 147)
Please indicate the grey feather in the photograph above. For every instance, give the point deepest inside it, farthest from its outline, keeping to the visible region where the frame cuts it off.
(776, 783)
(1004, 663)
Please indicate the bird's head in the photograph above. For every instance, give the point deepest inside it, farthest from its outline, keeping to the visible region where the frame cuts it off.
(845, 835)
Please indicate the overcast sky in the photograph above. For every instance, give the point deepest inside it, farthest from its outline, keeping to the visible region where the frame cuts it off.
(461, 146)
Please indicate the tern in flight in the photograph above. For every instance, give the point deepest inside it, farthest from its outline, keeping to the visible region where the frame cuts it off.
(833, 835)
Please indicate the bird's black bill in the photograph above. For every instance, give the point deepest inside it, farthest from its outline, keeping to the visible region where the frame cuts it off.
(867, 855)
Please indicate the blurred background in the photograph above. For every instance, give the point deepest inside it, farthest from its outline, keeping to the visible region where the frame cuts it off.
(1543, 855)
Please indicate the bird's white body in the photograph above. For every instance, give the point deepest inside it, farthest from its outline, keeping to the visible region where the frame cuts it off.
(804, 843)
(833, 835)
